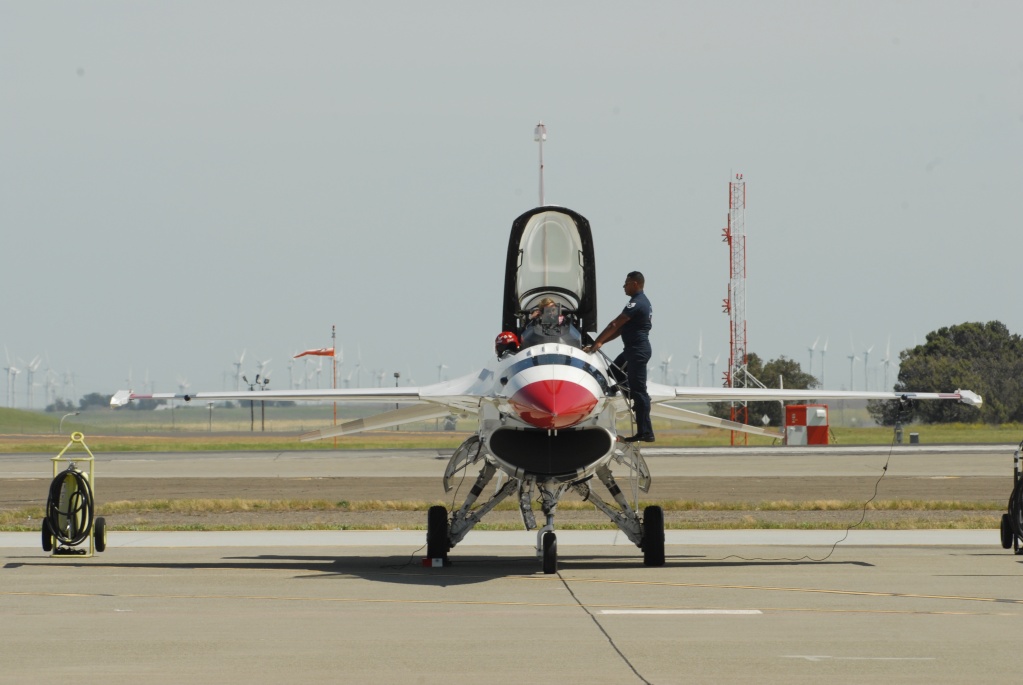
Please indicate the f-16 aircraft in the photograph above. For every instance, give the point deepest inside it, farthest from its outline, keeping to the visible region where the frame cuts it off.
(547, 411)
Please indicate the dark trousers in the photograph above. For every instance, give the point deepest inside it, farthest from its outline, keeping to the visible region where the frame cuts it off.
(633, 361)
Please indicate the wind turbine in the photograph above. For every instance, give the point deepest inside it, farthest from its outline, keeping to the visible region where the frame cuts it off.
(50, 384)
(823, 351)
(685, 374)
(713, 365)
(238, 371)
(866, 367)
(440, 370)
(262, 367)
(12, 374)
(811, 349)
(887, 361)
(852, 361)
(665, 365)
(699, 360)
(68, 380)
(31, 368)
(291, 370)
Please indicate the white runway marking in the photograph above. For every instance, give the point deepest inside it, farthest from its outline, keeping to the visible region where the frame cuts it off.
(809, 657)
(682, 612)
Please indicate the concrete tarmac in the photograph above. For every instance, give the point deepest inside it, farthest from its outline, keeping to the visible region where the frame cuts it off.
(373, 614)
(760, 606)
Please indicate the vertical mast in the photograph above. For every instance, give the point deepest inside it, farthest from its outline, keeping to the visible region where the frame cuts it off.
(540, 135)
(737, 375)
(333, 359)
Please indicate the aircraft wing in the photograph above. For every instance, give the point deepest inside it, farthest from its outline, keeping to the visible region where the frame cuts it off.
(395, 417)
(667, 393)
(460, 395)
(667, 411)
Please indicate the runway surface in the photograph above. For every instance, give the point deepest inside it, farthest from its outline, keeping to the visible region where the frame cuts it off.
(374, 614)
(761, 606)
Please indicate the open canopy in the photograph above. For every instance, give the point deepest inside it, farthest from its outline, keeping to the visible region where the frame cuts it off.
(550, 254)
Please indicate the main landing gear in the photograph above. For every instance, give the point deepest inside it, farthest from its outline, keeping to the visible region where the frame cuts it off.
(444, 532)
(437, 543)
(652, 542)
(549, 552)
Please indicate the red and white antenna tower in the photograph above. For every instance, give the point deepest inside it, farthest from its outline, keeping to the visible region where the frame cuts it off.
(734, 234)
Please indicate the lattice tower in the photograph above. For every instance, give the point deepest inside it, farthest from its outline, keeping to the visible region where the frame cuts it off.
(737, 375)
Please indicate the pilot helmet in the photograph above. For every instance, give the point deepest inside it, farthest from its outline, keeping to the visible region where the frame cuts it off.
(506, 341)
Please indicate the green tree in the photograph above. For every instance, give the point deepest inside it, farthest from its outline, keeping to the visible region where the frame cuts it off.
(94, 399)
(984, 358)
(61, 405)
(777, 373)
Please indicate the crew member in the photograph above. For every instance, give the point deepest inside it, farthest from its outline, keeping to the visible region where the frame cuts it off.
(506, 343)
(633, 325)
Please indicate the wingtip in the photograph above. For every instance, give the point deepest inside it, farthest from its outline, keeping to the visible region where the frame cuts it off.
(120, 398)
(971, 398)
(311, 436)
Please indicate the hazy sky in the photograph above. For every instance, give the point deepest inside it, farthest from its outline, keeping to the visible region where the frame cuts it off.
(182, 181)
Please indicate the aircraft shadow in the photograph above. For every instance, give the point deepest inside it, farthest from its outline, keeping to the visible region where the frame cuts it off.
(409, 570)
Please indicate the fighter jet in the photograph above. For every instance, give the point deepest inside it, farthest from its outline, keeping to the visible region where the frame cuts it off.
(547, 412)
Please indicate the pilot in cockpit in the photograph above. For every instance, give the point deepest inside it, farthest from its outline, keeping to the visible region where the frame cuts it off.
(549, 322)
(547, 313)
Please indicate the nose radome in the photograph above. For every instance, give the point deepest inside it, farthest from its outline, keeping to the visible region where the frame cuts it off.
(553, 404)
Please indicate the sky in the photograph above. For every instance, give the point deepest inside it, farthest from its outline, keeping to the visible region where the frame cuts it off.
(184, 181)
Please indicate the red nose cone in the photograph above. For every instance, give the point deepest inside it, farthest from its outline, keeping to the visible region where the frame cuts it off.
(553, 404)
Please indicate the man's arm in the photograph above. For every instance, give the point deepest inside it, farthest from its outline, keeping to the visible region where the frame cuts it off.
(610, 332)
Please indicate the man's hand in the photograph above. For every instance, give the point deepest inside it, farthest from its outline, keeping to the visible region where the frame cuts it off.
(590, 349)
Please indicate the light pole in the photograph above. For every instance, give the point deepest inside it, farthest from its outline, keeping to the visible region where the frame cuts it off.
(539, 136)
(60, 426)
(397, 375)
(252, 403)
(262, 406)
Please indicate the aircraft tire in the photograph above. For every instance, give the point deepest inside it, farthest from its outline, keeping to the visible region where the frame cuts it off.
(653, 536)
(99, 532)
(437, 544)
(47, 536)
(1007, 534)
(550, 553)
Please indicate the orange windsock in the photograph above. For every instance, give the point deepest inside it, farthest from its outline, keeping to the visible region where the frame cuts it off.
(322, 352)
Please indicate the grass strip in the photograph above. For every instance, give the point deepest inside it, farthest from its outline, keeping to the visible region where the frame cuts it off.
(951, 514)
(748, 523)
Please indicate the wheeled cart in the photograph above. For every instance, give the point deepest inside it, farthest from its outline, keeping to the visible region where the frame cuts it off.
(70, 506)
(1012, 521)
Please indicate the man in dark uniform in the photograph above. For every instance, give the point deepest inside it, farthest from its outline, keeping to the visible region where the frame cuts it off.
(633, 325)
